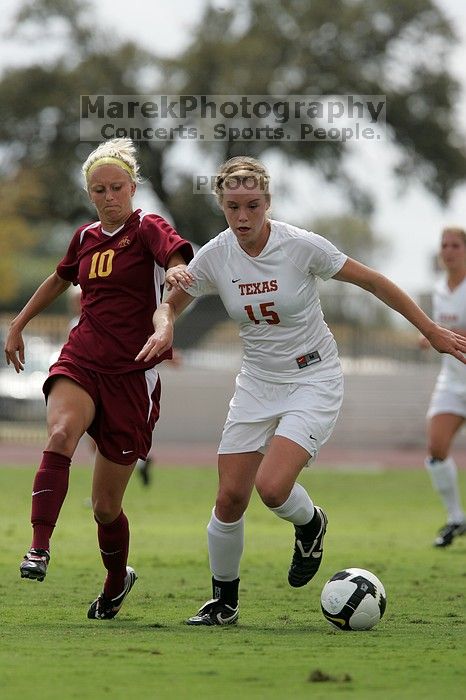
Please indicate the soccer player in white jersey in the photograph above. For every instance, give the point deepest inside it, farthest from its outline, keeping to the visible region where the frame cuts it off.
(447, 410)
(290, 387)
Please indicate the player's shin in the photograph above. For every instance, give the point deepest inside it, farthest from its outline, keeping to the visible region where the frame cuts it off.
(114, 546)
(48, 494)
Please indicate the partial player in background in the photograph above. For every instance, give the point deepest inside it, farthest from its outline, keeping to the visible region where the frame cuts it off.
(290, 386)
(145, 467)
(74, 293)
(96, 386)
(447, 410)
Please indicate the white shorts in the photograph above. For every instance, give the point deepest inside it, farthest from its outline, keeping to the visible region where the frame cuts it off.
(445, 401)
(304, 413)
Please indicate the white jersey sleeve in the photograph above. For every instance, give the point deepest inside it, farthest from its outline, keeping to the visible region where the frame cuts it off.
(314, 255)
(204, 267)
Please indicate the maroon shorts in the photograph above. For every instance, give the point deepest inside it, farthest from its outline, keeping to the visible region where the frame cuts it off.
(126, 408)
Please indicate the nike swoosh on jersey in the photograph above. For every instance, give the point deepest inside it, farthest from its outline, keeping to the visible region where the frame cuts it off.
(35, 493)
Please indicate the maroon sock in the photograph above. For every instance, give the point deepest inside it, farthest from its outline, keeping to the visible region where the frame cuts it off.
(114, 545)
(48, 493)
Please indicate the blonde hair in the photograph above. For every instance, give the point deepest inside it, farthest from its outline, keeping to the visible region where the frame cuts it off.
(460, 232)
(120, 152)
(242, 171)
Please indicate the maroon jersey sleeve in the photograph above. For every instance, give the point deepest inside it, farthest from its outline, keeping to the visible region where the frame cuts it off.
(68, 267)
(162, 240)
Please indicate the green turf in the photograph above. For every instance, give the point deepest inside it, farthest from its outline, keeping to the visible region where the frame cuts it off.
(382, 521)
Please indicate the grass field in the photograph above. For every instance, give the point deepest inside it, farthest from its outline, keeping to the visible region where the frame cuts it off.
(383, 521)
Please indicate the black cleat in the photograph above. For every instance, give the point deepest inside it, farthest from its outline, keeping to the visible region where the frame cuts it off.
(448, 533)
(307, 554)
(106, 608)
(215, 612)
(34, 564)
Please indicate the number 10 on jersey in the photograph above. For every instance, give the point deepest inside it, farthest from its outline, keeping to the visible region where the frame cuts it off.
(101, 264)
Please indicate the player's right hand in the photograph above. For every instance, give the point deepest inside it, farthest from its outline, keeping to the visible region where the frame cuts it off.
(14, 350)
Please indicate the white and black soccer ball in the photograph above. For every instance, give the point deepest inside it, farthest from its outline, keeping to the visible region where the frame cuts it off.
(353, 599)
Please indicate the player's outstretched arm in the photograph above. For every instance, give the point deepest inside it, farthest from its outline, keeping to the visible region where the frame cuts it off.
(48, 291)
(164, 319)
(442, 339)
(177, 277)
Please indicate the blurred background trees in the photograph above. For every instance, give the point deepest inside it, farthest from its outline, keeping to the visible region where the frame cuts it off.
(267, 47)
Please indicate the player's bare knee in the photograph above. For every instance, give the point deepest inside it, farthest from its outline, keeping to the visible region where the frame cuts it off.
(438, 449)
(230, 505)
(272, 495)
(105, 512)
(62, 439)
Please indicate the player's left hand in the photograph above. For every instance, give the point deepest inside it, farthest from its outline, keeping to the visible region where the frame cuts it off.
(14, 350)
(446, 341)
(178, 277)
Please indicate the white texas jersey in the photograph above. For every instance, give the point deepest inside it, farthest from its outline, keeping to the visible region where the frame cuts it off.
(449, 311)
(274, 299)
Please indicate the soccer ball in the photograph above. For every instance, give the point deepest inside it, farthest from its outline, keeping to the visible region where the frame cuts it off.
(353, 599)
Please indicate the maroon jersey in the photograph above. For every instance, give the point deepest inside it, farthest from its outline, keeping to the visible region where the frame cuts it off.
(121, 277)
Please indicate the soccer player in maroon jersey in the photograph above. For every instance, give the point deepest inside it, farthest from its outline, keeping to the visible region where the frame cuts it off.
(96, 386)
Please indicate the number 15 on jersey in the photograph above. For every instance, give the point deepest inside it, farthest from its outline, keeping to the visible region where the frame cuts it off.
(263, 312)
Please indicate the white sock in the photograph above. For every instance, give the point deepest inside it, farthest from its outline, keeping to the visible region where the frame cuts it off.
(225, 541)
(443, 474)
(298, 507)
